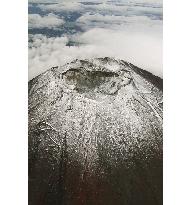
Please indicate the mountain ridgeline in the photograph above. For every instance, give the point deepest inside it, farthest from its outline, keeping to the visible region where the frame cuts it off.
(95, 135)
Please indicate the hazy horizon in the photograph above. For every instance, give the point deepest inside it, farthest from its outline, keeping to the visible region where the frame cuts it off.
(60, 31)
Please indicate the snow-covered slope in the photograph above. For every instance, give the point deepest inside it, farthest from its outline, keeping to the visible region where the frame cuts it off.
(95, 135)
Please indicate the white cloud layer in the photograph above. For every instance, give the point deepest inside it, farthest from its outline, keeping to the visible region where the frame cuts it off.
(48, 21)
(69, 6)
(141, 50)
(61, 1)
(122, 1)
(119, 7)
(121, 30)
(135, 23)
(44, 1)
(97, 18)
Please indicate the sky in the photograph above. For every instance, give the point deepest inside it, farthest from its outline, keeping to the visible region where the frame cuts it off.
(63, 30)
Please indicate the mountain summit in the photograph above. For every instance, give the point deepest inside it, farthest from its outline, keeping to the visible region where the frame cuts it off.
(95, 135)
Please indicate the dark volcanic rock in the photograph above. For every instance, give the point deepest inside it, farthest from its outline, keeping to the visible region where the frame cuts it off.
(95, 135)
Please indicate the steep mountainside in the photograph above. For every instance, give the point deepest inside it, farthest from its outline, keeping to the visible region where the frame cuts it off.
(95, 135)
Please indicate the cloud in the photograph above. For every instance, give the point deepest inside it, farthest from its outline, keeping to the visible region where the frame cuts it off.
(157, 2)
(67, 6)
(60, 1)
(71, 6)
(135, 23)
(44, 1)
(124, 8)
(99, 18)
(107, 7)
(48, 21)
(129, 30)
(139, 49)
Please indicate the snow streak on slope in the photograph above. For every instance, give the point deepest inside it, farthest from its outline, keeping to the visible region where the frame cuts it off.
(95, 134)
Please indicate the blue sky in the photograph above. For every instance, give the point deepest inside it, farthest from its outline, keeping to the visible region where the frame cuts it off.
(60, 31)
